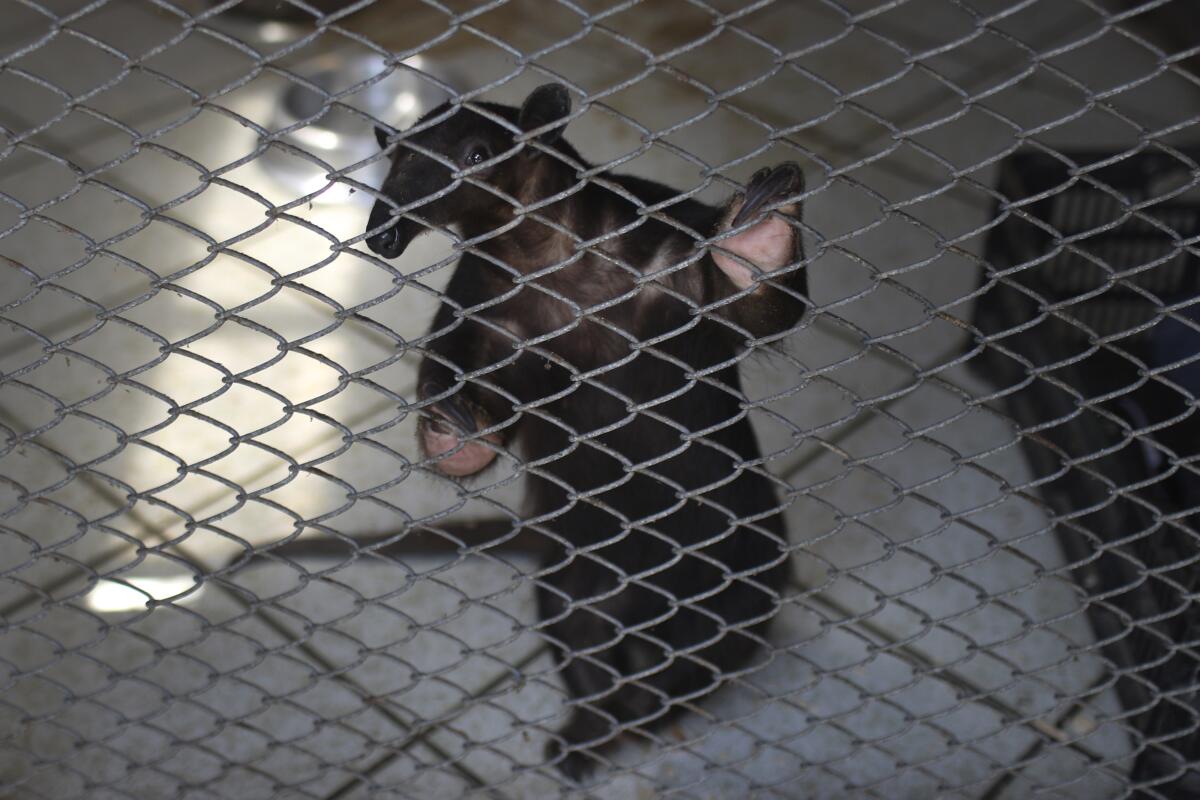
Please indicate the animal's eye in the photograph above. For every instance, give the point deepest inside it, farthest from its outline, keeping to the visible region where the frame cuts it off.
(476, 155)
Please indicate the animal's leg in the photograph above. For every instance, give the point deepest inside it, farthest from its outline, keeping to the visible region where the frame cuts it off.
(590, 675)
(613, 702)
(587, 732)
(625, 702)
(770, 242)
(455, 409)
(598, 662)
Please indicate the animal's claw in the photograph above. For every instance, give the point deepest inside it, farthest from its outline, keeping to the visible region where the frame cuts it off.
(456, 411)
(769, 185)
(448, 432)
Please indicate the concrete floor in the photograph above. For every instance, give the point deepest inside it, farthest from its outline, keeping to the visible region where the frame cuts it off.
(930, 640)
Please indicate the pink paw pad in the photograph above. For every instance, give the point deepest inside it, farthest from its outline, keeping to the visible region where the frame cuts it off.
(441, 445)
(767, 245)
(771, 242)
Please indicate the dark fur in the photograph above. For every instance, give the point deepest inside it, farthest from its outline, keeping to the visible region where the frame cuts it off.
(628, 652)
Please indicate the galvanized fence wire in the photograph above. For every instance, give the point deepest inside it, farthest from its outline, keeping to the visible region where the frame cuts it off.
(989, 486)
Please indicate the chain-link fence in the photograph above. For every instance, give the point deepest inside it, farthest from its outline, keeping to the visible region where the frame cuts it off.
(848, 450)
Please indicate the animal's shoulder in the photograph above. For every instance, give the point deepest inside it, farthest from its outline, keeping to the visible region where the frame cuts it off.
(692, 213)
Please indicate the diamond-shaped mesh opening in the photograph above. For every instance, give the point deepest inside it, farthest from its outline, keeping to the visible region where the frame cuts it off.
(885, 487)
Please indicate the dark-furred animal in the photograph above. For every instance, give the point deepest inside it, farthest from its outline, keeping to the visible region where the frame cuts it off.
(594, 327)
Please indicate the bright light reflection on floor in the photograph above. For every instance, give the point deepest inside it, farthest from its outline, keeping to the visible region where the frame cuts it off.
(131, 594)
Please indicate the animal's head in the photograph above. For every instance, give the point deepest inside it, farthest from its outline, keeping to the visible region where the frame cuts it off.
(433, 161)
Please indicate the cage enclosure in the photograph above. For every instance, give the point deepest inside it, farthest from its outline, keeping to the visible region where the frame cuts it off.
(922, 283)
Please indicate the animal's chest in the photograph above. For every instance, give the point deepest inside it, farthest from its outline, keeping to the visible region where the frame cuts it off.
(585, 313)
(593, 310)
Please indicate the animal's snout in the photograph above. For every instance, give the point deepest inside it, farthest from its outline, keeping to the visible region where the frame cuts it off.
(392, 234)
(414, 186)
(387, 242)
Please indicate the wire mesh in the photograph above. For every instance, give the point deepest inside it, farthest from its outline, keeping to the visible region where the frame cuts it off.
(229, 570)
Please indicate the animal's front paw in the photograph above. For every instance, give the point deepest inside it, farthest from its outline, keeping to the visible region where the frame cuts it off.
(770, 243)
(449, 435)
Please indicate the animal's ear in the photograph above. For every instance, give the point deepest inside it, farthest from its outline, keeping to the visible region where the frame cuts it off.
(544, 105)
(381, 136)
